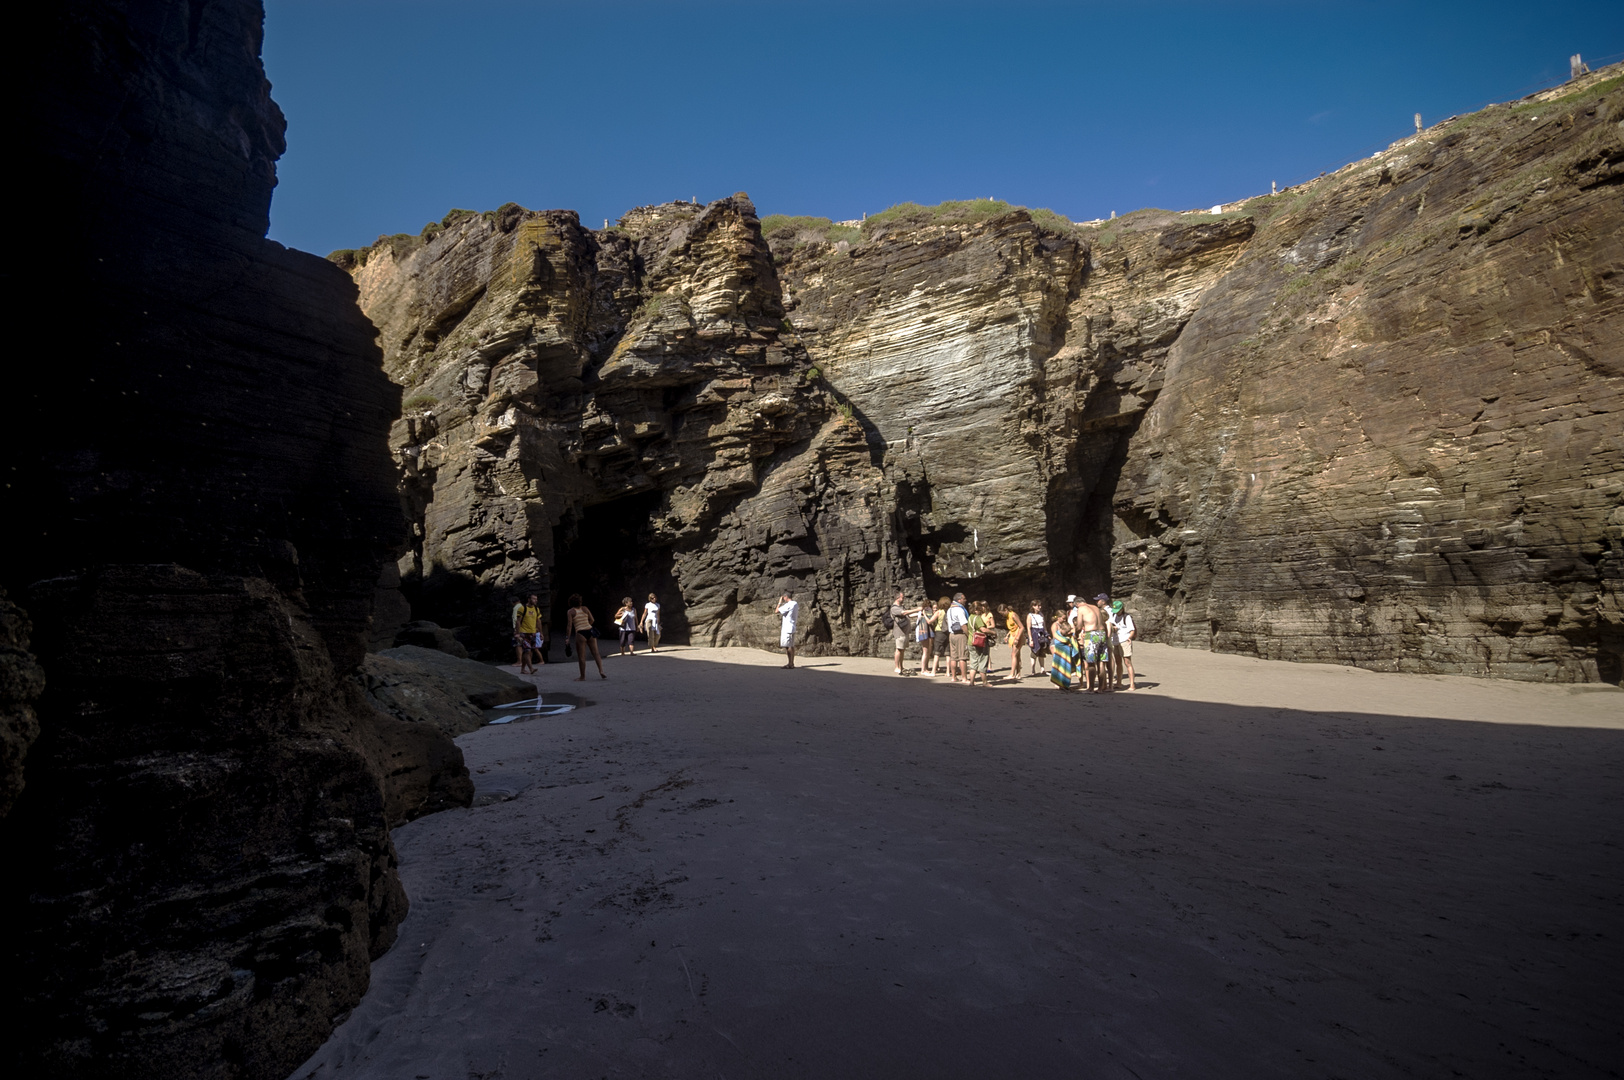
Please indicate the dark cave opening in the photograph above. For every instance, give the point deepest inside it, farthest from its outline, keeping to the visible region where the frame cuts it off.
(606, 552)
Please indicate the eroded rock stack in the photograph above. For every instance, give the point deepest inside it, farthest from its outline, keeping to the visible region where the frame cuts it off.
(606, 412)
(198, 868)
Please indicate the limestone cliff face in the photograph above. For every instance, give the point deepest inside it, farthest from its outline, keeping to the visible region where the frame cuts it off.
(1393, 432)
(606, 412)
(198, 868)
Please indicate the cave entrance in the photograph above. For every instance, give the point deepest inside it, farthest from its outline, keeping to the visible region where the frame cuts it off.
(606, 552)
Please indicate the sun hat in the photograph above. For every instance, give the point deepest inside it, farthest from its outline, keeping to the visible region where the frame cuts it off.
(1071, 598)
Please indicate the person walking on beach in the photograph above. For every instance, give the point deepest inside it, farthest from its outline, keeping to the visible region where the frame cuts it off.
(1016, 628)
(1037, 633)
(787, 610)
(1122, 634)
(902, 620)
(958, 641)
(578, 624)
(651, 623)
(981, 634)
(626, 620)
(527, 634)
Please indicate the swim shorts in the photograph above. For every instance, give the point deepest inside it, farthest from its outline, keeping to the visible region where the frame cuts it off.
(1094, 648)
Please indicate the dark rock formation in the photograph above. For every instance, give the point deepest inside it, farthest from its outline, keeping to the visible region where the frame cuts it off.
(430, 686)
(617, 412)
(21, 683)
(198, 500)
(1371, 420)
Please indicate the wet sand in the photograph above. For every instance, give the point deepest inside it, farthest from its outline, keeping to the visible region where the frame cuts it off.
(1246, 869)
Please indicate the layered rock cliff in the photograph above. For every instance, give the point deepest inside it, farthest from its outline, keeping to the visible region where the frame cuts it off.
(198, 497)
(1370, 420)
(622, 412)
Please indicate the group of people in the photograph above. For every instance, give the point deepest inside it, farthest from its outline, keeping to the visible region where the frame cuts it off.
(581, 632)
(1087, 644)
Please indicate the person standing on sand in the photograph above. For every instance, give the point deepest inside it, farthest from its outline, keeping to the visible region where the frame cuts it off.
(787, 610)
(626, 620)
(938, 634)
(1063, 650)
(980, 629)
(1037, 631)
(958, 640)
(527, 634)
(1096, 651)
(651, 623)
(578, 624)
(1123, 632)
(1017, 633)
(902, 619)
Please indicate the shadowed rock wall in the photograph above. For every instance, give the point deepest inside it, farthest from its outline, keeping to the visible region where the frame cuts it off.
(198, 869)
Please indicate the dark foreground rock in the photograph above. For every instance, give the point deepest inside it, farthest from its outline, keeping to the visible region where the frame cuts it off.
(21, 682)
(198, 869)
(428, 686)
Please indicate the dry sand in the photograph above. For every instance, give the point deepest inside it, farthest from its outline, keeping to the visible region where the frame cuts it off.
(1248, 869)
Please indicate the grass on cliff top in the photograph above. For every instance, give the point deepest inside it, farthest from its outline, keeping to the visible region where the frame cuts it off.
(403, 244)
(959, 212)
(807, 229)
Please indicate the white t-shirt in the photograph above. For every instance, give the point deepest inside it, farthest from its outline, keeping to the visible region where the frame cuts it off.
(1035, 624)
(957, 619)
(788, 610)
(1123, 625)
(651, 616)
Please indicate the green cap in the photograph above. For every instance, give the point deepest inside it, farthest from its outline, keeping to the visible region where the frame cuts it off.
(1116, 605)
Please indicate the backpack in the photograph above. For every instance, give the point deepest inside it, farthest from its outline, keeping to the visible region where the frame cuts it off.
(887, 621)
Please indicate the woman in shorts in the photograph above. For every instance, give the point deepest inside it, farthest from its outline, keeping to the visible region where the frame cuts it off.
(578, 624)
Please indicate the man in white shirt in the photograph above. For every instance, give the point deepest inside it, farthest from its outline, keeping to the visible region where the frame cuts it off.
(650, 624)
(787, 609)
(958, 640)
(1122, 634)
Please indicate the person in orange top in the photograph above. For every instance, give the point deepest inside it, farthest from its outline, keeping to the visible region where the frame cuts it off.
(1017, 630)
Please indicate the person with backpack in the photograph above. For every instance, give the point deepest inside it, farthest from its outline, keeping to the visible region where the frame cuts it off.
(899, 621)
(527, 635)
(958, 640)
(1122, 634)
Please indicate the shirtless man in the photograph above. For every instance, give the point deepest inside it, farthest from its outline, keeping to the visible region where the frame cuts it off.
(1091, 640)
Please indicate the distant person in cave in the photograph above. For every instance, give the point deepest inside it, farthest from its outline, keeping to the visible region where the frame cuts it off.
(902, 622)
(626, 620)
(527, 634)
(578, 624)
(650, 624)
(787, 610)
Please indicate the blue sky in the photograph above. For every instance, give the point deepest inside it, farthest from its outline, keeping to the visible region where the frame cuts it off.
(399, 110)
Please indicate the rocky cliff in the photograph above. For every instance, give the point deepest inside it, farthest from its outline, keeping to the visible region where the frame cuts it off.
(617, 413)
(199, 494)
(1369, 420)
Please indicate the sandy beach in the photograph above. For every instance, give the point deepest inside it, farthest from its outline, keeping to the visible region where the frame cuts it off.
(720, 868)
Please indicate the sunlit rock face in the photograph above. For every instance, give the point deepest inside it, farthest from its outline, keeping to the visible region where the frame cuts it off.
(1393, 432)
(1370, 420)
(618, 413)
(199, 495)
